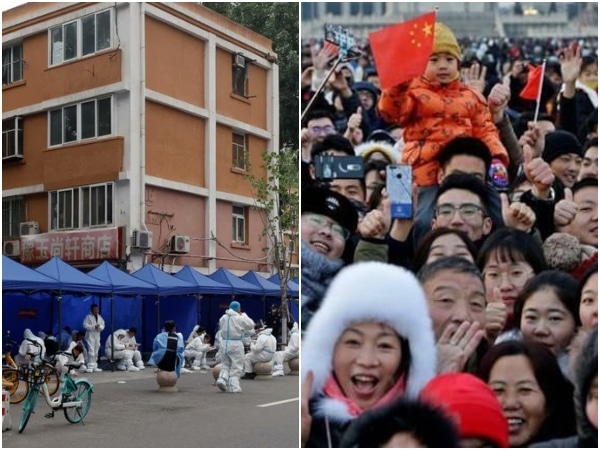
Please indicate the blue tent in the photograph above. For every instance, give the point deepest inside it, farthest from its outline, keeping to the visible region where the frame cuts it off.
(180, 307)
(239, 286)
(292, 288)
(17, 277)
(269, 289)
(121, 282)
(204, 284)
(69, 279)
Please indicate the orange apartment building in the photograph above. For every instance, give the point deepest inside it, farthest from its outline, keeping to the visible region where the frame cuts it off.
(124, 132)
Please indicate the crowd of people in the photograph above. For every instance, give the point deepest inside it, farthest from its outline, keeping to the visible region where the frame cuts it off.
(472, 322)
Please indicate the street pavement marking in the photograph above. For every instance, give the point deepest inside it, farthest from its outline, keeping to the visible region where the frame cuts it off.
(278, 403)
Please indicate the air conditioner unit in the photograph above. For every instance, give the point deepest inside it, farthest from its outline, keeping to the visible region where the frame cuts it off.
(141, 239)
(240, 60)
(27, 228)
(179, 244)
(12, 248)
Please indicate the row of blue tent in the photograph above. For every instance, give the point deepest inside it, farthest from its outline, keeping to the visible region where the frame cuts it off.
(57, 294)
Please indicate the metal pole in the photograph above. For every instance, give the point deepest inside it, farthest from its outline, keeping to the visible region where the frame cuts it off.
(321, 87)
(112, 332)
(59, 318)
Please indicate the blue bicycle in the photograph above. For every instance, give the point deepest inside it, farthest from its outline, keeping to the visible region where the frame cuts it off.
(74, 398)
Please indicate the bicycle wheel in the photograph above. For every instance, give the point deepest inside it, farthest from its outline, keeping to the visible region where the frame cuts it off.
(82, 392)
(28, 407)
(18, 389)
(52, 381)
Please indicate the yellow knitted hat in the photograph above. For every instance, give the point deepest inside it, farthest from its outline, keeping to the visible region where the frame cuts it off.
(444, 41)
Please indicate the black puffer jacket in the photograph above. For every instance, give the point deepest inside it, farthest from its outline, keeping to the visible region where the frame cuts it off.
(587, 368)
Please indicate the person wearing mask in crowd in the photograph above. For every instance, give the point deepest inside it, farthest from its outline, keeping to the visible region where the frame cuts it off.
(547, 313)
(262, 350)
(585, 399)
(473, 405)
(369, 343)
(327, 221)
(437, 107)
(577, 213)
(443, 242)
(456, 302)
(402, 424)
(291, 351)
(167, 349)
(507, 260)
(233, 324)
(120, 354)
(589, 166)
(29, 348)
(131, 344)
(536, 399)
(93, 324)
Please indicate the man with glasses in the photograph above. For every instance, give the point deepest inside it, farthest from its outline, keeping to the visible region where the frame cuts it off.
(328, 219)
(318, 127)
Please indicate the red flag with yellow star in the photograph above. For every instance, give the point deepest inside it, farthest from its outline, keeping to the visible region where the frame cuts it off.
(401, 52)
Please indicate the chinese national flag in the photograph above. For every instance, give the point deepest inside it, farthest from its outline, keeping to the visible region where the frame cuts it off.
(401, 52)
(534, 80)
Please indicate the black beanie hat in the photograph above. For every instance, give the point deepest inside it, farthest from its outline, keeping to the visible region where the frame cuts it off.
(560, 143)
(338, 208)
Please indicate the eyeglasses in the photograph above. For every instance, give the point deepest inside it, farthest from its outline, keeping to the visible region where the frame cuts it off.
(517, 276)
(466, 210)
(321, 221)
(326, 130)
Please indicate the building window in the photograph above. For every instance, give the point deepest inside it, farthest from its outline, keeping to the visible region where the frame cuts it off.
(89, 120)
(12, 138)
(333, 8)
(80, 37)
(12, 64)
(239, 151)
(13, 213)
(239, 224)
(239, 75)
(83, 207)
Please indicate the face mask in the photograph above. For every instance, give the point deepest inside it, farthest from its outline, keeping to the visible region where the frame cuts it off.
(592, 84)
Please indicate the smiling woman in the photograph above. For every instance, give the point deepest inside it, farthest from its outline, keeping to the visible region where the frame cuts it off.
(364, 348)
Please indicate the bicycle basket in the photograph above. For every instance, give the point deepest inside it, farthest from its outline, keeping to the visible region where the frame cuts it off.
(33, 375)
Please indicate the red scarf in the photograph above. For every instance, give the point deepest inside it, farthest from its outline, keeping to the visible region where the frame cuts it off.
(333, 390)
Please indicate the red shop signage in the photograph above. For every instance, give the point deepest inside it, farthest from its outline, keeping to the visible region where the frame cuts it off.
(72, 246)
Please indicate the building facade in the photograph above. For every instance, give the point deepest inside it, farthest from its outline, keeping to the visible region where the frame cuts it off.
(127, 131)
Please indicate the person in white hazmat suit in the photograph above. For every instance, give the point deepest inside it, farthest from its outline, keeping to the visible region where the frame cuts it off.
(93, 324)
(292, 351)
(197, 350)
(75, 353)
(28, 348)
(233, 324)
(131, 344)
(262, 350)
(121, 354)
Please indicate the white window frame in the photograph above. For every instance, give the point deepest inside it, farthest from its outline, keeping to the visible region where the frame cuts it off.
(77, 207)
(11, 65)
(13, 213)
(14, 134)
(60, 59)
(238, 151)
(239, 224)
(79, 121)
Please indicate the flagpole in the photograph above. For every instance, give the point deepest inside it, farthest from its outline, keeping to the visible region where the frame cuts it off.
(539, 94)
(321, 87)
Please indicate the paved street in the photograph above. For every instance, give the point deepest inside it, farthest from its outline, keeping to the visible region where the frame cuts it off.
(128, 411)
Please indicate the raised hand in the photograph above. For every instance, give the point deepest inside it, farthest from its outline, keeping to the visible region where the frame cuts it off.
(538, 173)
(565, 210)
(496, 314)
(474, 77)
(517, 215)
(570, 64)
(377, 222)
(321, 58)
(498, 101)
(456, 345)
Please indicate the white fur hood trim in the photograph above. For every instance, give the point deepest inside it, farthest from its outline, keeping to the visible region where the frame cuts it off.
(377, 292)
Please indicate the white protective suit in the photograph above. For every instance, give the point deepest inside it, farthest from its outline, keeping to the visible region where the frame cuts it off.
(93, 328)
(131, 344)
(193, 335)
(27, 347)
(292, 351)
(260, 351)
(62, 360)
(218, 342)
(122, 355)
(232, 325)
(197, 350)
